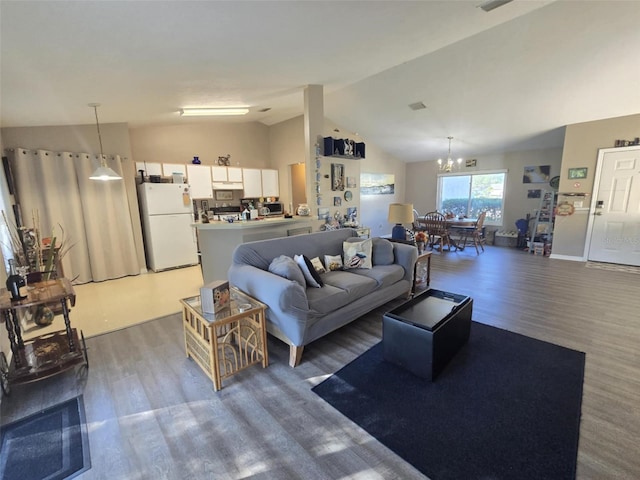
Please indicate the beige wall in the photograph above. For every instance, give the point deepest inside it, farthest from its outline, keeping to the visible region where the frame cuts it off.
(375, 208)
(286, 147)
(581, 144)
(422, 182)
(248, 143)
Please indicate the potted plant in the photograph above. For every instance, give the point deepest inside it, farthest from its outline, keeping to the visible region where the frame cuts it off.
(421, 240)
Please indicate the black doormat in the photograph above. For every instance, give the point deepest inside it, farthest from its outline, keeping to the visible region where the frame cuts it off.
(50, 445)
(506, 407)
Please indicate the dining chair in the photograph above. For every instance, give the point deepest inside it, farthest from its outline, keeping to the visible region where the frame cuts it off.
(416, 225)
(477, 233)
(437, 230)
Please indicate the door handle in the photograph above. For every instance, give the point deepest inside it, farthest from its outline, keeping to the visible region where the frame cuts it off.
(597, 213)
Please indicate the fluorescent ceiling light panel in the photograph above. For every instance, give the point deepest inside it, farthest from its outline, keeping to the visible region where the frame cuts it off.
(203, 112)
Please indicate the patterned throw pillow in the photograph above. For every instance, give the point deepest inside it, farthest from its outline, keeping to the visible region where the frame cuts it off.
(333, 262)
(357, 254)
(317, 264)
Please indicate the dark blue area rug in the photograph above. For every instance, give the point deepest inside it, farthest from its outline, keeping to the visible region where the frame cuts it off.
(50, 445)
(506, 407)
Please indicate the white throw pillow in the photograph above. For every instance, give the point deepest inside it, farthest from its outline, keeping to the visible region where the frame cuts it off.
(313, 279)
(357, 254)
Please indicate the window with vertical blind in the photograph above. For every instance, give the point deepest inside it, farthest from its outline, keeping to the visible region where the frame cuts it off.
(469, 194)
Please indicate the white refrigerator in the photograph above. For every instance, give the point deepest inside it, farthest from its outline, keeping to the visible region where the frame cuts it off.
(167, 215)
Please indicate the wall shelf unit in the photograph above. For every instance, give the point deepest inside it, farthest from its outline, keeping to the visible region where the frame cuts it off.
(343, 148)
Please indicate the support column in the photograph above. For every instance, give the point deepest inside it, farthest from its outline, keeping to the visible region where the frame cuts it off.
(313, 130)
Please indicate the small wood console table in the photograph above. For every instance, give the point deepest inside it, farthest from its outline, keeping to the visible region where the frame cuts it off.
(229, 341)
(45, 355)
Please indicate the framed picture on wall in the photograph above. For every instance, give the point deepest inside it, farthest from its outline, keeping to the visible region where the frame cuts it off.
(536, 174)
(337, 176)
(224, 194)
(533, 193)
(577, 173)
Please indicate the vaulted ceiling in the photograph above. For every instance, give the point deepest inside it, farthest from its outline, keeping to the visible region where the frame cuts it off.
(508, 79)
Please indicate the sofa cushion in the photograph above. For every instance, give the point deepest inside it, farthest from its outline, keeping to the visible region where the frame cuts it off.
(382, 252)
(327, 299)
(384, 275)
(310, 274)
(357, 254)
(355, 285)
(340, 289)
(286, 267)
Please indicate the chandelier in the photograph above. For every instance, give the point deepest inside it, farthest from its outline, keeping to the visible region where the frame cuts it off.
(449, 164)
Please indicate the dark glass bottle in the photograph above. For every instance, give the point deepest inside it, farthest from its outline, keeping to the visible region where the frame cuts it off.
(15, 283)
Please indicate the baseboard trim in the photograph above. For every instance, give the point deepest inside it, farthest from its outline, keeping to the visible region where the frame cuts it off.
(567, 257)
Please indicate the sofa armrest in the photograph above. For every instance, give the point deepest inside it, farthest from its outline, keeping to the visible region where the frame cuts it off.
(288, 307)
(406, 256)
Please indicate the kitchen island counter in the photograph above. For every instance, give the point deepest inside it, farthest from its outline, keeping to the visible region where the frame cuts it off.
(217, 239)
(246, 224)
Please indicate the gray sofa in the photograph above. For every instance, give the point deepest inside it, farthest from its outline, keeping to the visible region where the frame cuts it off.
(298, 314)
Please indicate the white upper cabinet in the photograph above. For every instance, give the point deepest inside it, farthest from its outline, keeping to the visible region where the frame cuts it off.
(252, 182)
(199, 177)
(260, 183)
(150, 168)
(169, 169)
(234, 174)
(219, 174)
(226, 178)
(270, 186)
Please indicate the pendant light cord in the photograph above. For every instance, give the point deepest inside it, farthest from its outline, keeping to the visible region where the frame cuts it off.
(95, 109)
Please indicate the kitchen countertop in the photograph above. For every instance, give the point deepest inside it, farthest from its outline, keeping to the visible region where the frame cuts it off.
(244, 224)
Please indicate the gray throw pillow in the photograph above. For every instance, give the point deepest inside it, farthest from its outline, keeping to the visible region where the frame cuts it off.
(286, 267)
(382, 252)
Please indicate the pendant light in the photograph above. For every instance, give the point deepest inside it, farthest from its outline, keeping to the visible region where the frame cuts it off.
(103, 172)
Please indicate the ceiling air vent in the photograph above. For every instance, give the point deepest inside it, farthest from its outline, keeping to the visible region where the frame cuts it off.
(417, 106)
(493, 4)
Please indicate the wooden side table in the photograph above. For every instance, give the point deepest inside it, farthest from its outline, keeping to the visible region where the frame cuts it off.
(422, 273)
(224, 343)
(45, 355)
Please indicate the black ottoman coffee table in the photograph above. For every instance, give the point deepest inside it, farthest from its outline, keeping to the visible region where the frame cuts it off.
(423, 334)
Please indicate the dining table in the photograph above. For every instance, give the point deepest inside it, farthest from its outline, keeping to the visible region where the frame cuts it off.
(463, 226)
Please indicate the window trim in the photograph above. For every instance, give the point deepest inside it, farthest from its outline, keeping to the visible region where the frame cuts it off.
(475, 172)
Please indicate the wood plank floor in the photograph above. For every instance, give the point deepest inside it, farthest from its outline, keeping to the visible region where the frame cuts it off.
(153, 415)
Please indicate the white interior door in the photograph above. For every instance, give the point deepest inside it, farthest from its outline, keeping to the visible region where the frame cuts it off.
(615, 209)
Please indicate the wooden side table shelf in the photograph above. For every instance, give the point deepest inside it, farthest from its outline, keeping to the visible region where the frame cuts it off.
(224, 343)
(45, 355)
